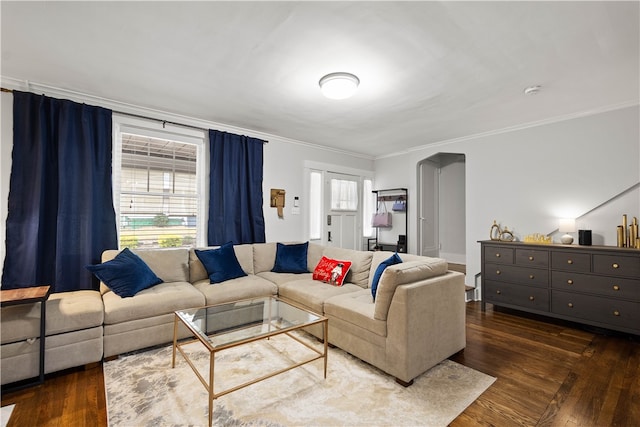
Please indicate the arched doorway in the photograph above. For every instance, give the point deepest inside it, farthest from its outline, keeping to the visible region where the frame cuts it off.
(441, 207)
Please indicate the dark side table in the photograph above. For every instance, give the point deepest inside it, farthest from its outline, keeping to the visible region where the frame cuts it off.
(29, 296)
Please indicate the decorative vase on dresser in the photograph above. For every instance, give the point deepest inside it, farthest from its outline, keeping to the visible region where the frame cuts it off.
(594, 285)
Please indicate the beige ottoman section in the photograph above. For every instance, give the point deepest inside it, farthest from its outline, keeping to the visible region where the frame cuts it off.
(73, 335)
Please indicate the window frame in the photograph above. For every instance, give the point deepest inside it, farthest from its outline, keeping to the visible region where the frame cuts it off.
(155, 129)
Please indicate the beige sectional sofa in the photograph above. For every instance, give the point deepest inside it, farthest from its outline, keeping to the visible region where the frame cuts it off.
(416, 321)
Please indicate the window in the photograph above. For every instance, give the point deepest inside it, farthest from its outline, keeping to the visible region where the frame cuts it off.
(344, 195)
(157, 191)
(315, 205)
(369, 207)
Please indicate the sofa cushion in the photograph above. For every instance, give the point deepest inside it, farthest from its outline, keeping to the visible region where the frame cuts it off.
(291, 258)
(264, 256)
(236, 289)
(399, 274)
(355, 308)
(244, 254)
(171, 265)
(280, 278)
(360, 264)
(392, 260)
(379, 256)
(126, 274)
(312, 293)
(66, 312)
(221, 263)
(161, 299)
(331, 271)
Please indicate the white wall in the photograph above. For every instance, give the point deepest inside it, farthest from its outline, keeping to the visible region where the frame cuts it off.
(452, 208)
(284, 168)
(6, 145)
(529, 178)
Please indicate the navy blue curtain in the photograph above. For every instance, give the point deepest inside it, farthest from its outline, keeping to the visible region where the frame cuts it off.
(235, 189)
(61, 214)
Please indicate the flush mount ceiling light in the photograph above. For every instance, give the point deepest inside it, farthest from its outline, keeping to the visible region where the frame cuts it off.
(532, 90)
(339, 85)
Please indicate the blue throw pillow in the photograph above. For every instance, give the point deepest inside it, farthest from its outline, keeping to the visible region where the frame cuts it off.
(291, 258)
(395, 259)
(126, 274)
(221, 263)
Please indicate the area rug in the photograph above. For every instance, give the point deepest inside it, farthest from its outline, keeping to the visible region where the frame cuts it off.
(5, 414)
(143, 390)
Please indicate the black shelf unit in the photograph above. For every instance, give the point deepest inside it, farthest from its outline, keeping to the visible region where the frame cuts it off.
(389, 196)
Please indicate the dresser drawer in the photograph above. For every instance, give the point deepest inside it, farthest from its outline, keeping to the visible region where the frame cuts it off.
(571, 261)
(532, 257)
(515, 274)
(498, 254)
(514, 295)
(617, 287)
(617, 265)
(625, 314)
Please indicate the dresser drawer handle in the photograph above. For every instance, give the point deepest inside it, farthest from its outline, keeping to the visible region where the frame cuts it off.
(531, 298)
(531, 276)
(497, 271)
(616, 313)
(530, 258)
(498, 292)
(569, 282)
(616, 287)
(569, 261)
(570, 305)
(615, 265)
(497, 255)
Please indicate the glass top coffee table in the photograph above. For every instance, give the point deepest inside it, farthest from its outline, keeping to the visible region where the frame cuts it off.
(223, 326)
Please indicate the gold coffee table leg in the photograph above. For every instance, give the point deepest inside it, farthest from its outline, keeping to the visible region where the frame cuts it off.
(326, 345)
(211, 393)
(175, 340)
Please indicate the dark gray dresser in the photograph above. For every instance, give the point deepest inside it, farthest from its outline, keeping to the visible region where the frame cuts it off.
(594, 285)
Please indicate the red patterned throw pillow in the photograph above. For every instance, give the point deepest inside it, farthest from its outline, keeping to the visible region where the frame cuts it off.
(331, 271)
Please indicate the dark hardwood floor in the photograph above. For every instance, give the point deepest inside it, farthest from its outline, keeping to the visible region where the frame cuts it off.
(548, 374)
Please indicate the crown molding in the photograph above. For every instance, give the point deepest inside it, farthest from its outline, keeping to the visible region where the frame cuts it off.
(123, 107)
(551, 120)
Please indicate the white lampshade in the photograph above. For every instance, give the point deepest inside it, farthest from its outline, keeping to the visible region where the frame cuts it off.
(567, 225)
(339, 85)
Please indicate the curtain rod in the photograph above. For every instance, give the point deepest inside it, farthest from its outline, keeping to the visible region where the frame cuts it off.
(138, 116)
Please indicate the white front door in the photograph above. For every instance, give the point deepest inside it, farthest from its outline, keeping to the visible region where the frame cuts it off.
(342, 211)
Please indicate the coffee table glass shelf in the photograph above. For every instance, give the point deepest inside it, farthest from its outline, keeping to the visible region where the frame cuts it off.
(223, 326)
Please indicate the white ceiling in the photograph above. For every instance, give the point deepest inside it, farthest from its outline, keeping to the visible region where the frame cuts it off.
(429, 71)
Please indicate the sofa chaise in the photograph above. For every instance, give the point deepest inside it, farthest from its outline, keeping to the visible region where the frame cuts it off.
(416, 320)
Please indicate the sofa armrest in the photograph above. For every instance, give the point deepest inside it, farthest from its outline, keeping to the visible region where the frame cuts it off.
(426, 324)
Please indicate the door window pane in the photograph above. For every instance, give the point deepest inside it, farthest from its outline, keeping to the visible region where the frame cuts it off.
(344, 195)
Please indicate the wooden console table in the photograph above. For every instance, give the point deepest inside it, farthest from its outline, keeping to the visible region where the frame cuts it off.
(594, 285)
(29, 296)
